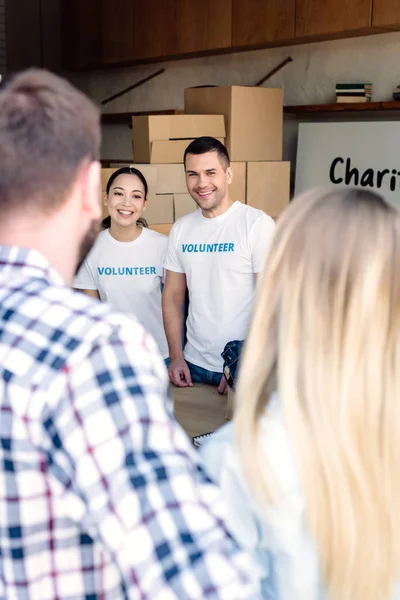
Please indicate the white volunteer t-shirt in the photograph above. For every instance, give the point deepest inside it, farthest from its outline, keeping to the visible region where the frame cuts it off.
(128, 275)
(219, 257)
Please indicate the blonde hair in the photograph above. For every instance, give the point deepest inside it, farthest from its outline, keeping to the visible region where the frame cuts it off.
(325, 335)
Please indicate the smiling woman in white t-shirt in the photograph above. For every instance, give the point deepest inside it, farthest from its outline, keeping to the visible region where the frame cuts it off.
(124, 268)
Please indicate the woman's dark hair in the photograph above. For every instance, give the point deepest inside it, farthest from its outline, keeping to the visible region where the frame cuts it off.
(106, 223)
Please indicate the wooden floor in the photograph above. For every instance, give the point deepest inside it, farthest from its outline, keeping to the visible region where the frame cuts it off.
(200, 409)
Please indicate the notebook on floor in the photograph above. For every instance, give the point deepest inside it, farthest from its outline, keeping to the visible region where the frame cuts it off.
(199, 440)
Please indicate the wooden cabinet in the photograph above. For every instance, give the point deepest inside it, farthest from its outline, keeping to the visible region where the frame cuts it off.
(386, 13)
(22, 47)
(81, 34)
(257, 22)
(155, 30)
(324, 17)
(103, 33)
(205, 25)
(117, 31)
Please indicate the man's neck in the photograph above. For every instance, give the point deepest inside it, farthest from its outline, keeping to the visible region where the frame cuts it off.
(52, 239)
(219, 210)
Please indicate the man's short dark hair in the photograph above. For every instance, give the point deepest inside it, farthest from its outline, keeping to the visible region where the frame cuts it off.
(47, 129)
(205, 144)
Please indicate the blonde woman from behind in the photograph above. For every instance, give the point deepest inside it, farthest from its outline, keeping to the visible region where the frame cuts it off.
(311, 466)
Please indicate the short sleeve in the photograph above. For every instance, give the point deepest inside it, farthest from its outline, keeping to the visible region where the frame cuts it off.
(171, 261)
(163, 256)
(84, 279)
(260, 240)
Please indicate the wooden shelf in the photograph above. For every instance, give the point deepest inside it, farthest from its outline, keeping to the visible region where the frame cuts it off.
(390, 105)
(126, 117)
(106, 162)
(301, 109)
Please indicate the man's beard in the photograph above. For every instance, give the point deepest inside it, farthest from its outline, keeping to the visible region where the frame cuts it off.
(87, 242)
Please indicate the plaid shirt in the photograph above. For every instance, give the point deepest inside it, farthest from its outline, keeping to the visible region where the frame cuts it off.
(101, 494)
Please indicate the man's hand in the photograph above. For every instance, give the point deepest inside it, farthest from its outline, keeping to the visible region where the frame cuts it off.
(223, 385)
(179, 373)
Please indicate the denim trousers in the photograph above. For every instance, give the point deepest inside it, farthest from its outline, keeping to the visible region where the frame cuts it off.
(231, 356)
(200, 375)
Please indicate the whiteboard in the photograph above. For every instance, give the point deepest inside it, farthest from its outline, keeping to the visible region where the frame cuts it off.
(339, 155)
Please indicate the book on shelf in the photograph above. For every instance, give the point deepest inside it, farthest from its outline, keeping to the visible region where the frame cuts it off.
(354, 93)
(396, 93)
(352, 99)
(367, 87)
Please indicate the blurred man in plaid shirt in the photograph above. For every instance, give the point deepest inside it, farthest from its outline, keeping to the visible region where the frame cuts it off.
(101, 493)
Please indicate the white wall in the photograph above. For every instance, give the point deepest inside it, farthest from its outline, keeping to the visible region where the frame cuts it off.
(310, 78)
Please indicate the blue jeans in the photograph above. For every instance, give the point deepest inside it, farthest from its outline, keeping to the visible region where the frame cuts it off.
(231, 356)
(200, 375)
(167, 361)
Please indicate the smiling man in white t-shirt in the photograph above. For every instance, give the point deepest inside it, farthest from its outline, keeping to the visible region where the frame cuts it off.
(216, 253)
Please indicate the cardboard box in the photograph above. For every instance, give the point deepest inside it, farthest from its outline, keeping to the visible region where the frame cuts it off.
(169, 151)
(163, 228)
(183, 205)
(253, 118)
(164, 178)
(104, 208)
(161, 179)
(237, 189)
(159, 209)
(149, 129)
(150, 173)
(105, 176)
(171, 179)
(268, 186)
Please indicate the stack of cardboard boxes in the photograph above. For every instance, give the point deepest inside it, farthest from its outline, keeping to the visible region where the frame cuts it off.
(163, 138)
(254, 136)
(249, 120)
